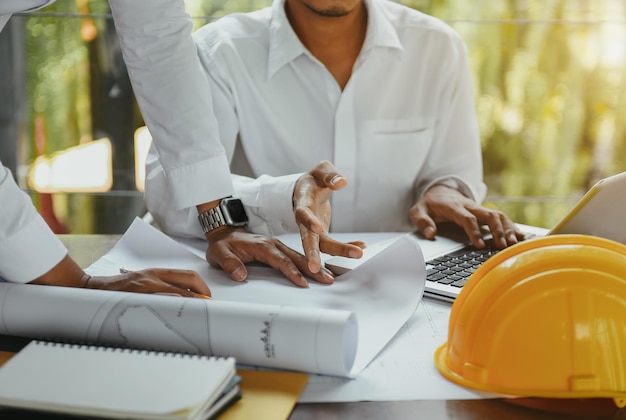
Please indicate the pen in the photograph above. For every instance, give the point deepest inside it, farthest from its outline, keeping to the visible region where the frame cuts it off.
(124, 270)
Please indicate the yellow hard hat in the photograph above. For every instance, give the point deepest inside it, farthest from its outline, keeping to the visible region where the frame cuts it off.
(543, 318)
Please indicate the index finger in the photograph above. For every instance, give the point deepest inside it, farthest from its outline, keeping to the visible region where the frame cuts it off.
(311, 246)
(185, 279)
(469, 223)
(332, 246)
(308, 220)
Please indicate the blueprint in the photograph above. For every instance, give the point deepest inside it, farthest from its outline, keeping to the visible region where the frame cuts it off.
(333, 330)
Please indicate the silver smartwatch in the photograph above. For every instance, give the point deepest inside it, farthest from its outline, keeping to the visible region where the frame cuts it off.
(229, 212)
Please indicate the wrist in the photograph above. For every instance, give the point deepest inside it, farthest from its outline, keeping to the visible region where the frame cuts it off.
(209, 205)
(217, 233)
(221, 233)
(84, 280)
(230, 212)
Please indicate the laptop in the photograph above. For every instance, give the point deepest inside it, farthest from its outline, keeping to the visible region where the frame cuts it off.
(451, 259)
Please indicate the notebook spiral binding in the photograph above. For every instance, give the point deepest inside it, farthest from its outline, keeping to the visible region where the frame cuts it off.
(98, 347)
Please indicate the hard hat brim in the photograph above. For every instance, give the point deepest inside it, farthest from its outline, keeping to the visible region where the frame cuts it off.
(521, 272)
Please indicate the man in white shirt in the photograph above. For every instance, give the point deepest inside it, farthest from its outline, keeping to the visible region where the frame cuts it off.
(155, 34)
(31, 253)
(381, 90)
(175, 99)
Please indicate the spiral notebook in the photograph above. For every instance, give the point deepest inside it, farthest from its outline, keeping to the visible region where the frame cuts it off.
(116, 383)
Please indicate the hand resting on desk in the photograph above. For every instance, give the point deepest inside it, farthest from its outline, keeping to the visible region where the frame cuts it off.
(231, 248)
(153, 280)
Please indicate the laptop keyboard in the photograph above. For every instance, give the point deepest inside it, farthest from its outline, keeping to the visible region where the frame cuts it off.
(455, 268)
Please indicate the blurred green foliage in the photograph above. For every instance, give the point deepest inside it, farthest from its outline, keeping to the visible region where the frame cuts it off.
(549, 83)
(58, 77)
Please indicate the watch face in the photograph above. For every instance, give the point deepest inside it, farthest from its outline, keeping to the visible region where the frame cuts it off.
(234, 212)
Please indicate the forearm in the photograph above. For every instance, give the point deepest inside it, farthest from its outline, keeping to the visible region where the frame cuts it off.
(65, 273)
(174, 96)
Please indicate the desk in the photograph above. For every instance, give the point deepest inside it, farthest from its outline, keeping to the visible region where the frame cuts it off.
(87, 248)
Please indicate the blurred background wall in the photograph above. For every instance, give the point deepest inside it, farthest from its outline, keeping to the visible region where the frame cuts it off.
(549, 78)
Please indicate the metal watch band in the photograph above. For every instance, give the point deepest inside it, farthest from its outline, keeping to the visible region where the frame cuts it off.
(211, 219)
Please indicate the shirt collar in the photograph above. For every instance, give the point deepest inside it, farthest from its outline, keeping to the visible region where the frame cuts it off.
(380, 30)
(285, 46)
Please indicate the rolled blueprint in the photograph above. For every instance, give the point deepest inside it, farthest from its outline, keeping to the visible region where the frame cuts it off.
(286, 337)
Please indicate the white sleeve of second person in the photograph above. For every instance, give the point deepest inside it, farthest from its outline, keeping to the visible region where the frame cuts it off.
(28, 248)
(267, 200)
(174, 97)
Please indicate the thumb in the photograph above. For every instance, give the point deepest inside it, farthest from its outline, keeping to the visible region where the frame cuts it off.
(327, 176)
(424, 223)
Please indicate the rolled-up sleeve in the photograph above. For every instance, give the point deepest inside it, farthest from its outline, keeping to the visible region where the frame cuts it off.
(28, 248)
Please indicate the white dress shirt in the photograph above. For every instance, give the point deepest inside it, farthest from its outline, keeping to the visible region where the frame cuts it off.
(172, 91)
(404, 122)
(174, 97)
(28, 248)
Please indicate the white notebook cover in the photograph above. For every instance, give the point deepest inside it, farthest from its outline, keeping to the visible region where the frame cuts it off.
(112, 382)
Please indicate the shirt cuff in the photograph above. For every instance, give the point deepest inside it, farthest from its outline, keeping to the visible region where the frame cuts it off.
(31, 252)
(199, 183)
(458, 184)
(269, 204)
